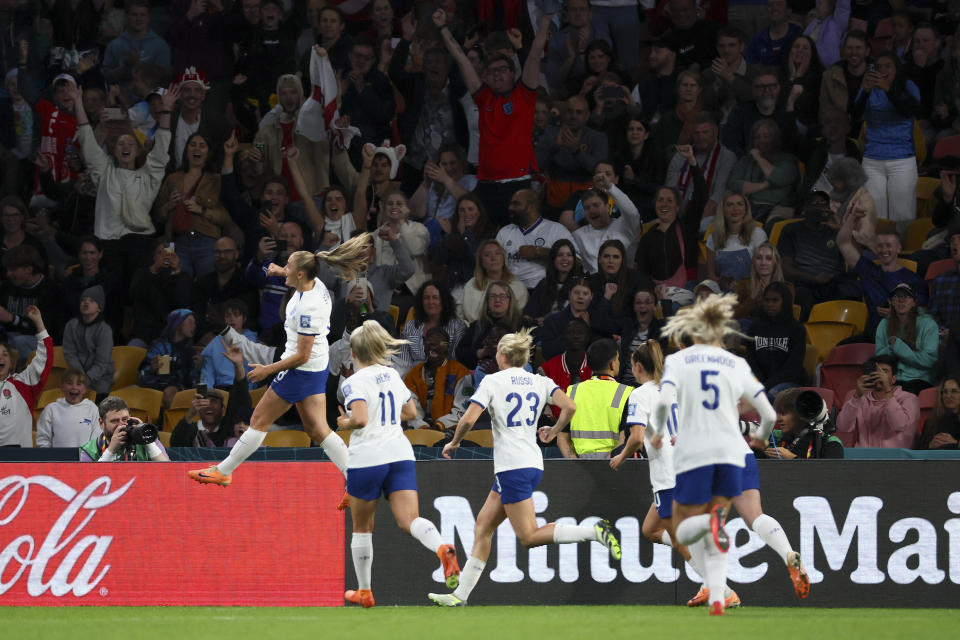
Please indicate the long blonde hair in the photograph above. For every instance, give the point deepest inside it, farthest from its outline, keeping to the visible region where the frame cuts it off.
(516, 347)
(351, 258)
(708, 321)
(649, 355)
(756, 287)
(480, 277)
(720, 223)
(371, 344)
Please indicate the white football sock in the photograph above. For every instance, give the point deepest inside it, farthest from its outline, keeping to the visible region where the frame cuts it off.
(693, 528)
(665, 538)
(248, 442)
(573, 533)
(362, 548)
(336, 449)
(715, 564)
(469, 576)
(427, 534)
(772, 533)
(696, 561)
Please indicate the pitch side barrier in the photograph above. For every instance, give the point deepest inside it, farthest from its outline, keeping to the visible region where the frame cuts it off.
(872, 533)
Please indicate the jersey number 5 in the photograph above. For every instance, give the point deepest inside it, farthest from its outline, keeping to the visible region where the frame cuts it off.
(534, 401)
(710, 387)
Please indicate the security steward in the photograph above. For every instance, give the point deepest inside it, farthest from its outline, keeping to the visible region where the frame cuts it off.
(597, 426)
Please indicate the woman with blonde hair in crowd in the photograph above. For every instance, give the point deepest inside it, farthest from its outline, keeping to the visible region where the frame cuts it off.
(491, 265)
(301, 372)
(765, 268)
(515, 400)
(500, 308)
(380, 458)
(734, 238)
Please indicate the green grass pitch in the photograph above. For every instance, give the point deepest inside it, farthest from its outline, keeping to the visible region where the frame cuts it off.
(489, 623)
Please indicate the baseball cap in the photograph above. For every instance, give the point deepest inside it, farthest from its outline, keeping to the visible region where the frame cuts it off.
(903, 289)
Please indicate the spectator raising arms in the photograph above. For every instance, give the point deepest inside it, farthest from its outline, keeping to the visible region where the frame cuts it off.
(20, 391)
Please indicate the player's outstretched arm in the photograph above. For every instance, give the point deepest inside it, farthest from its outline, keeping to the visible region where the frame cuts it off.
(463, 428)
(567, 408)
(768, 417)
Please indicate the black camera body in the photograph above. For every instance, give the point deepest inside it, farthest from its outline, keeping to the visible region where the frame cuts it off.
(140, 432)
(814, 413)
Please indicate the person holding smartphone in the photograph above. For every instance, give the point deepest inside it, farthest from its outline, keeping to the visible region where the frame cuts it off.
(880, 413)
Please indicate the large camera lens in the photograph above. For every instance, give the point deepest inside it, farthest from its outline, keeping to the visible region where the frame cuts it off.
(142, 433)
(811, 408)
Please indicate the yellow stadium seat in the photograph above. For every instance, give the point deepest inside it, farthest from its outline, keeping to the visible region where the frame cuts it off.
(424, 437)
(778, 229)
(826, 335)
(164, 438)
(256, 394)
(287, 438)
(886, 226)
(345, 435)
(482, 437)
(127, 361)
(178, 408)
(797, 310)
(144, 403)
(917, 233)
(852, 312)
(811, 358)
(926, 200)
(904, 262)
(409, 317)
(646, 227)
(56, 372)
(395, 313)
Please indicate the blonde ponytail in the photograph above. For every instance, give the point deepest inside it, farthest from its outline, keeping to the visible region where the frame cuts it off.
(516, 347)
(372, 344)
(709, 321)
(349, 259)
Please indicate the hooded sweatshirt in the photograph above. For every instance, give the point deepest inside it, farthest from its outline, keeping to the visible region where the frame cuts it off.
(776, 355)
(89, 348)
(62, 424)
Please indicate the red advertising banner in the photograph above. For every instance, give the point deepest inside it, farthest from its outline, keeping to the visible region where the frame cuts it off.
(145, 534)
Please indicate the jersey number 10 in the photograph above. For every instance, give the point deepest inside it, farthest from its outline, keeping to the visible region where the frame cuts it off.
(534, 401)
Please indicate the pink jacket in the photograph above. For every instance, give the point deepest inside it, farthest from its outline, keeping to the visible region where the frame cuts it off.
(881, 423)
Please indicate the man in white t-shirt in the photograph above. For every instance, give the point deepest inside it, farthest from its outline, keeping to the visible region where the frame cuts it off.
(601, 227)
(528, 240)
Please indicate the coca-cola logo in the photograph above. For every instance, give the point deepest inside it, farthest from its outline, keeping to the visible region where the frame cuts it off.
(51, 564)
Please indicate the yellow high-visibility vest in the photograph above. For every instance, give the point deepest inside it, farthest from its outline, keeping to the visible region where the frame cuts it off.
(595, 427)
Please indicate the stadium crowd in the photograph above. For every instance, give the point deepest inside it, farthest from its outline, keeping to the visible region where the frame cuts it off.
(584, 169)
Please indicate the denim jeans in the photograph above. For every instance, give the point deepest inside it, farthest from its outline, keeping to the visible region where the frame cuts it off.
(195, 251)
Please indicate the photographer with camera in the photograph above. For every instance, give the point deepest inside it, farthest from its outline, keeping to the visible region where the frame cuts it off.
(880, 414)
(804, 428)
(124, 438)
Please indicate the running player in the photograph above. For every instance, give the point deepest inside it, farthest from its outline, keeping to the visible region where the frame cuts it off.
(707, 382)
(750, 509)
(301, 372)
(515, 399)
(381, 458)
(658, 526)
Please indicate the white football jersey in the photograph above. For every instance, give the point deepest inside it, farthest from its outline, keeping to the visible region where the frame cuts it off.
(308, 313)
(709, 382)
(382, 440)
(542, 235)
(515, 399)
(639, 412)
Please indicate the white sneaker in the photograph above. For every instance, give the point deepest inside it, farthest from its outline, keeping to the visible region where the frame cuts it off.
(446, 600)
